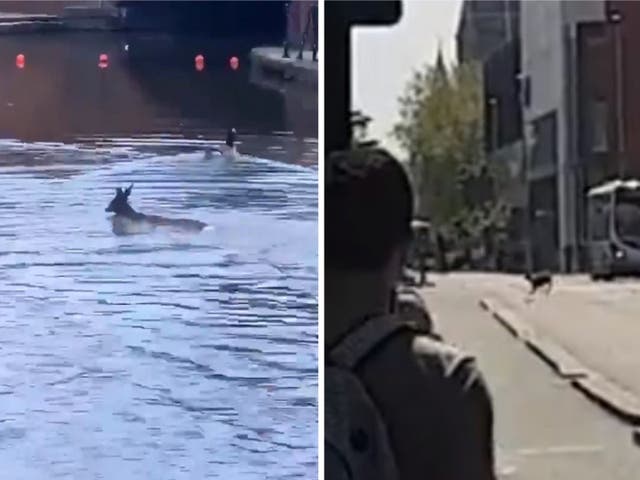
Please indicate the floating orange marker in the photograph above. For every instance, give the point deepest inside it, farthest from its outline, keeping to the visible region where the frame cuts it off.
(234, 63)
(199, 62)
(103, 60)
(20, 60)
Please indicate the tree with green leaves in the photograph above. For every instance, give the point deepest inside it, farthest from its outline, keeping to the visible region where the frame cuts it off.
(441, 128)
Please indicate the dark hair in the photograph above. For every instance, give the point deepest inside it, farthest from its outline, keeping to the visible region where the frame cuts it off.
(368, 208)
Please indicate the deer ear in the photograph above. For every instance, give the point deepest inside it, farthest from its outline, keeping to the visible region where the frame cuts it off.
(128, 190)
(118, 190)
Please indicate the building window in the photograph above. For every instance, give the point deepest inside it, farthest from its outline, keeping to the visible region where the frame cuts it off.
(599, 112)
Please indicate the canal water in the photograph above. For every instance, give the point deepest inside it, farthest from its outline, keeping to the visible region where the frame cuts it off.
(165, 355)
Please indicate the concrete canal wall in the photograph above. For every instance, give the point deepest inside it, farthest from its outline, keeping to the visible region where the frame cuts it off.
(39, 17)
(269, 65)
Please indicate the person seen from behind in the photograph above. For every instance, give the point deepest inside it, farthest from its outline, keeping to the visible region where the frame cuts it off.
(399, 404)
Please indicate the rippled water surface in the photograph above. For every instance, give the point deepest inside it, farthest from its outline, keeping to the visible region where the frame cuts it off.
(164, 355)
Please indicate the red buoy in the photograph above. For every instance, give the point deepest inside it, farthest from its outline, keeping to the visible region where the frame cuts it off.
(103, 60)
(199, 61)
(234, 63)
(20, 62)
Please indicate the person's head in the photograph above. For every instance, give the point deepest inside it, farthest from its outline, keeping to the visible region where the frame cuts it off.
(368, 211)
(120, 203)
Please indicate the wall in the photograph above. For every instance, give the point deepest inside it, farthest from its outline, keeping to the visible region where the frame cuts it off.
(575, 11)
(548, 57)
(596, 82)
(630, 33)
(597, 64)
(54, 7)
(500, 80)
(485, 25)
(542, 57)
(511, 156)
(543, 60)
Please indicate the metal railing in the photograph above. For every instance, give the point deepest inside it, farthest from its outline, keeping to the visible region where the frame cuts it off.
(311, 27)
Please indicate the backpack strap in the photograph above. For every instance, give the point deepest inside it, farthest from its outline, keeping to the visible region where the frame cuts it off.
(358, 344)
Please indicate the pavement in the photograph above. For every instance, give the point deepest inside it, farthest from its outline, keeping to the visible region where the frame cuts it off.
(268, 62)
(544, 428)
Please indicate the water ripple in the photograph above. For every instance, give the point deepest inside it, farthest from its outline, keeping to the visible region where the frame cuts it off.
(196, 352)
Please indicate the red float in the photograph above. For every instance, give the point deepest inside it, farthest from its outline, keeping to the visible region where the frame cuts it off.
(199, 60)
(103, 60)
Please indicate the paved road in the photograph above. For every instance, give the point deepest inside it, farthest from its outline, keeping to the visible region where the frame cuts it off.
(544, 428)
(595, 322)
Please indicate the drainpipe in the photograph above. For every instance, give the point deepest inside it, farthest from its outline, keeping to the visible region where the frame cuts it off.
(527, 223)
(507, 19)
(577, 166)
(493, 118)
(616, 21)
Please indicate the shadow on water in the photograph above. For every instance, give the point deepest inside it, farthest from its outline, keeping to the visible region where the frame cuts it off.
(165, 355)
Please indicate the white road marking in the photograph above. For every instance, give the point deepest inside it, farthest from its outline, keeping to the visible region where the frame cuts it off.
(560, 450)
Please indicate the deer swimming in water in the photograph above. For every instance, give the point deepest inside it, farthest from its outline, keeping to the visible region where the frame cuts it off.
(127, 221)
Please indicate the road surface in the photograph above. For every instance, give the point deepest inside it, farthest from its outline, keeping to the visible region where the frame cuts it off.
(544, 428)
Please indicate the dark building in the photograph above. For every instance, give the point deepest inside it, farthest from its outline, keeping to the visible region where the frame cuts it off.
(264, 20)
(597, 122)
(489, 34)
(503, 113)
(258, 19)
(608, 105)
(619, 80)
(484, 25)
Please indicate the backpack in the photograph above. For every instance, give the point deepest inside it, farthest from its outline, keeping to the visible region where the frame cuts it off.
(357, 445)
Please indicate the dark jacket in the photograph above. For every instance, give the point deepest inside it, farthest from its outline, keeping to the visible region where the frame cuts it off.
(436, 406)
